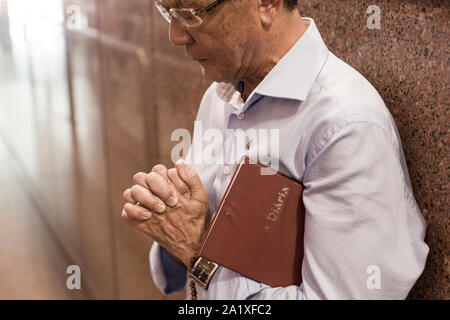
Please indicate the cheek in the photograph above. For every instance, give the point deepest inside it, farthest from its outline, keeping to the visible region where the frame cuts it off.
(223, 47)
(222, 55)
(217, 41)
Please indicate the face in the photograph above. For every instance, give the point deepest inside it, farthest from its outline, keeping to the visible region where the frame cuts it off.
(226, 40)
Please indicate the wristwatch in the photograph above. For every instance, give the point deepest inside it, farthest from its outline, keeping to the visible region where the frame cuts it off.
(202, 271)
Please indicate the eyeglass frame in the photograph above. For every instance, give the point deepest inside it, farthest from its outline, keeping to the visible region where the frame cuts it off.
(194, 12)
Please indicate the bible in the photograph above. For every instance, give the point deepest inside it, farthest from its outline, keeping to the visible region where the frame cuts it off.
(257, 230)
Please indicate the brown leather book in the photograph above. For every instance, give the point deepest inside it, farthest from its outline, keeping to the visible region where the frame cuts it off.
(257, 230)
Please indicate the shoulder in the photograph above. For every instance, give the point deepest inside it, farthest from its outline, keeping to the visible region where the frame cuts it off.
(339, 98)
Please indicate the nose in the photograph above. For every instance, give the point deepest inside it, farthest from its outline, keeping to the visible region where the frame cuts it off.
(178, 34)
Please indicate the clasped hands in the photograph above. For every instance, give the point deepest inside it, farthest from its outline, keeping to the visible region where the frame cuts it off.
(170, 206)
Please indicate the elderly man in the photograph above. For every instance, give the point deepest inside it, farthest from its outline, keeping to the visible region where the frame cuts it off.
(364, 234)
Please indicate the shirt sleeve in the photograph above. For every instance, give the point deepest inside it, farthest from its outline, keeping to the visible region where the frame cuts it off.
(363, 230)
(168, 275)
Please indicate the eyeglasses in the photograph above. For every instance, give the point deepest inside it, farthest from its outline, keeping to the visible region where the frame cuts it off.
(186, 16)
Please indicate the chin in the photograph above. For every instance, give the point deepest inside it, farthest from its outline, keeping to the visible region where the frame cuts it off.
(213, 72)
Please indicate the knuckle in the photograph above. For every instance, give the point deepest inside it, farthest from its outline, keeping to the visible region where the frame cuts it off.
(138, 175)
(158, 185)
(154, 181)
(156, 220)
(135, 189)
(152, 176)
(127, 207)
(159, 167)
(125, 194)
(173, 177)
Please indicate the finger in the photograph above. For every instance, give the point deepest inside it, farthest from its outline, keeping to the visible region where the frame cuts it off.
(179, 184)
(193, 181)
(139, 179)
(161, 188)
(147, 199)
(127, 219)
(146, 226)
(128, 197)
(124, 216)
(161, 170)
(132, 213)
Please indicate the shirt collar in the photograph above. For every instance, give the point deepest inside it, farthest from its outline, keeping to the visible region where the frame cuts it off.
(231, 93)
(292, 77)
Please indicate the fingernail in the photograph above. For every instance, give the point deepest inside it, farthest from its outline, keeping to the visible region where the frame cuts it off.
(147, 214)
(160, 208)
(180, 161)
(172, 201)
(187, 195)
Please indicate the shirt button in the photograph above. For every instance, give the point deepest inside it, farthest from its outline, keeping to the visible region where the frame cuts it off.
(226, 169)
(240, 116)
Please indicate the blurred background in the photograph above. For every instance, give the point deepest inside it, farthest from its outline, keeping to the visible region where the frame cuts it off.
(91, 90)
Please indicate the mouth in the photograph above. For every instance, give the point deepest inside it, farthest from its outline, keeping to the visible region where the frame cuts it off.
(193, 57)
(196, 59)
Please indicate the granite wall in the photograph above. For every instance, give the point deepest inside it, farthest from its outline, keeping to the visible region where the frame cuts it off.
(407, 60)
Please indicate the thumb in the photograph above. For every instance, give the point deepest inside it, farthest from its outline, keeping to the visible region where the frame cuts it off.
(191, 178)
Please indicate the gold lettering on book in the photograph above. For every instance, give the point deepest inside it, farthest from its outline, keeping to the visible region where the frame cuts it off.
(277, 207)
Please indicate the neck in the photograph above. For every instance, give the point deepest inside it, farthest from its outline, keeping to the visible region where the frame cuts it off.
(279, 42)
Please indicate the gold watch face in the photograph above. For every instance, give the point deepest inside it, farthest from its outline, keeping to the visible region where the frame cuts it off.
(203, 271)
(206, 265)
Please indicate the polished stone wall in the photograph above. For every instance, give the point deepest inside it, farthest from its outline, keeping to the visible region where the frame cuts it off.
(407, 61)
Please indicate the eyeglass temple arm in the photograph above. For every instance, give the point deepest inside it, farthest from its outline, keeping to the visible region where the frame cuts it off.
(210, 7)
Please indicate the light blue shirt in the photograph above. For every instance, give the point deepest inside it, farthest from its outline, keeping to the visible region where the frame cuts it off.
(364, 233)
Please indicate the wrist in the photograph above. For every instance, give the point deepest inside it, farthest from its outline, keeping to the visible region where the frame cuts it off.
(202, 270)
(194, 251)
(190, 258)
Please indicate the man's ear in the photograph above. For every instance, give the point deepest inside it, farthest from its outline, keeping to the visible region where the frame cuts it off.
(268, 10)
